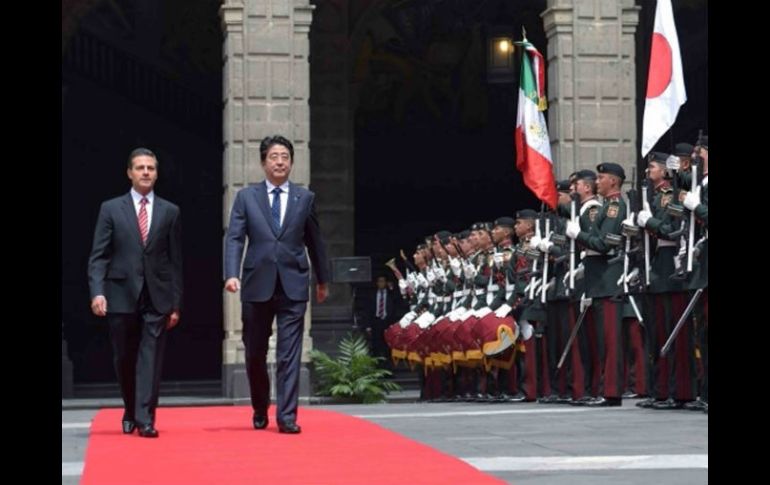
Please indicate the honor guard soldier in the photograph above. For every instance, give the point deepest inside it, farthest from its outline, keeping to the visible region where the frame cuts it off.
(602, 277)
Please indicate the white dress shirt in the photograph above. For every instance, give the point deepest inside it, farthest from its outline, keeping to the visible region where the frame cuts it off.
(137, 206)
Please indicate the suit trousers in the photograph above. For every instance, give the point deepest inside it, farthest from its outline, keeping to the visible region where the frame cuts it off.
(257, 320)
(138, 344)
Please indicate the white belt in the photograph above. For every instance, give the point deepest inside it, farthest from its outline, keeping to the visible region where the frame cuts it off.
(493, 288)
(466, 292)
(458, 293)
(509, 287)
(591, 252)
(446, 299)
(665, 243)
(478, 292)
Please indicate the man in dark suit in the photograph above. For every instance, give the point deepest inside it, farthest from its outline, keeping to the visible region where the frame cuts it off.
(135, 279)
(278, 217)
(379, 312)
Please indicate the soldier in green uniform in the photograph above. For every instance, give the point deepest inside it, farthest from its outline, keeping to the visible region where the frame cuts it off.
(697, 202)
(602, 280)
(666, 295)
(526, 314)
(584, 354)
(557, 306)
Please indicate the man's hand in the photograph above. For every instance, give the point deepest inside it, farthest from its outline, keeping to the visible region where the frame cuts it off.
(534, 241)
(643, 217)
(673, 162)
(692, 199)
(173, 319)
(321, 292)
(99, 305)
(232, 285)
(573, 229)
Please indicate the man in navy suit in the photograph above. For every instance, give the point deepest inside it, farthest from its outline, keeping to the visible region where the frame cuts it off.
(135, 280)
(278, 218)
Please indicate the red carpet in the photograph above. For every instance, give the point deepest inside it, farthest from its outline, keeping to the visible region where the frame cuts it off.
(216, 445)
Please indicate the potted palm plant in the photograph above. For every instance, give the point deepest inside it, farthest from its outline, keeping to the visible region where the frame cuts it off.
(354, 375)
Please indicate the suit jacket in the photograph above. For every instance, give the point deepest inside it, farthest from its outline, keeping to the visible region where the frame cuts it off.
(391, 303)
(272, 253)
(119, 264)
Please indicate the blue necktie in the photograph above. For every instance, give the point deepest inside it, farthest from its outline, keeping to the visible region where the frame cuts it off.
(275, 209)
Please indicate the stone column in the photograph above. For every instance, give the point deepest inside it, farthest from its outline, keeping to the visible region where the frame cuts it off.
(591, 83)
(265, 91)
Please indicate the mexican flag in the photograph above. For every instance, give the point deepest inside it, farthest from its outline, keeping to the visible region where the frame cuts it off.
(533, 149)
(665, 81)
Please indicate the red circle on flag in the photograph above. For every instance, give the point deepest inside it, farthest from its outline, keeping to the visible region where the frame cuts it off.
(660, 66)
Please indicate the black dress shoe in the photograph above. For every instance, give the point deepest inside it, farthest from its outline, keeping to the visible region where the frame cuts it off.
(148, 431)
(518, 397)
(647, 403)
(668, 404)
(128, 426)
(605, 401)
(696, 405)
(582, 401)
(259, 421)
(289, 427)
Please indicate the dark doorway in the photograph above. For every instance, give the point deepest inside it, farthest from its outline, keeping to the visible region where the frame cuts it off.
(143, 73)
(434, 145)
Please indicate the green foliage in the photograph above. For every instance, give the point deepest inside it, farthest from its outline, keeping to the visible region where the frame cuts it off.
(353, 374)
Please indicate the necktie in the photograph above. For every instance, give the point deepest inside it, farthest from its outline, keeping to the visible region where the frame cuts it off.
(143, 228)
(380, 304)
(275, 208)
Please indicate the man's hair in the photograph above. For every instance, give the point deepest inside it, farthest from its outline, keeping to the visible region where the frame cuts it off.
(591, 183)
(140, 152)
(269, 141)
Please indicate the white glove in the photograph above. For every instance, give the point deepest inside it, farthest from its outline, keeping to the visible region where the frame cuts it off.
(483, 312)
(441, 274)
(672, 162)
(411, 278)
(579, 271)
(526, 330)
(629, 221)
(692, 199)
(425, 319)
(629, 277)
(585, 302)
(503, 310)
(421, 281)
(633, 277)
(456, 266)
(407, 319)
(498, 258)
(534, 241)
(544, 246)
(402, 286)
(643, 217)
(430, 275)
(466, 314)
(573, 229)
(469, 271)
